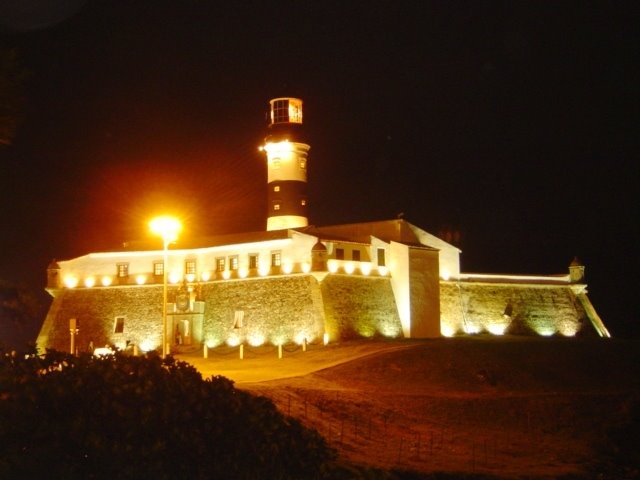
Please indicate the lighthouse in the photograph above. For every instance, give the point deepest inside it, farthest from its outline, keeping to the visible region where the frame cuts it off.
(286, 165)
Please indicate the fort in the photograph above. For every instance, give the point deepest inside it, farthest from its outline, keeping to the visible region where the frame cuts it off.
(298, 282)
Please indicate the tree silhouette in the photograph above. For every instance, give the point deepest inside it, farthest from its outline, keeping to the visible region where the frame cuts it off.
(143, 417)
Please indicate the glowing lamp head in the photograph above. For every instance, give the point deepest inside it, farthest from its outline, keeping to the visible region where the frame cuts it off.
(167, 227)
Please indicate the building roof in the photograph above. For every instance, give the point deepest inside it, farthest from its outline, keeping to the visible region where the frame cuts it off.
(396, 230)
(210, 241)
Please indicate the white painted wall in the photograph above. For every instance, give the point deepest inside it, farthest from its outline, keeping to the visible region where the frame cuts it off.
(449, 255)
(399, 269)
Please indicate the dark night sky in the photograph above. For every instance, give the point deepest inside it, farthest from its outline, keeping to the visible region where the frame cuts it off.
(512, 123)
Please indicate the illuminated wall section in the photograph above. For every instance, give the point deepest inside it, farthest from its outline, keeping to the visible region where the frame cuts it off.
(97, 310)
(98, 270)
(470, 307)
(275, 310)
(400, 282)
(369, 310)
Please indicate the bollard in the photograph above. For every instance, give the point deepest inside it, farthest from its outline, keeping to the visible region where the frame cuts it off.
(280, 351)
(205, 351)
(242, 351)
(304, 344)
(135, 350)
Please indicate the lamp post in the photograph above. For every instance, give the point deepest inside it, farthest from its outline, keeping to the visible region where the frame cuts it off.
(168, 228)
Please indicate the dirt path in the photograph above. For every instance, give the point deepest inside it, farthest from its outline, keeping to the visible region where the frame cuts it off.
(262, 364)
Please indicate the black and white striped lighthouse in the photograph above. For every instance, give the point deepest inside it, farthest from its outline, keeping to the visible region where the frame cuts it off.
(286, 165)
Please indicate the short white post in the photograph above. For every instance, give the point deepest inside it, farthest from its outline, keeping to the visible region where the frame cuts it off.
(241, 351)
(205, 350)
(280, 351)
(73, 330)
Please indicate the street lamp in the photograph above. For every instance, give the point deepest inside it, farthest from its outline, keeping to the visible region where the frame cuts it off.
(168, 228)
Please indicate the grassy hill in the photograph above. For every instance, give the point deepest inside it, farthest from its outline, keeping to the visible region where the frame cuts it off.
(485, 407)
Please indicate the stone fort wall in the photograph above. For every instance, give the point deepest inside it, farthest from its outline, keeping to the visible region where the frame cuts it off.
(469, 307)
(274, 310)
(280, 310)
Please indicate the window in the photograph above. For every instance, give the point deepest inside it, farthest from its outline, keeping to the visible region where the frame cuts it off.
(238, 319)
(276, 163)
(123, 270)
(355, 255)
(303, 202)
(276, 259)
(119, 326)
(381, 261)
(233, 262)
(303, 163)
(286, 110)
(276, 206)
(190, 267)
(339, 253)
(276, 188)
(253, 260)
(280, 112)
(158, 268)
(220, 264)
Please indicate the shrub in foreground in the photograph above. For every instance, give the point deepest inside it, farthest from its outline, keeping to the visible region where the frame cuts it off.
(143, 417)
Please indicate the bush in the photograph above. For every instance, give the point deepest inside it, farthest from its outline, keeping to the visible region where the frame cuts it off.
(143, 417)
